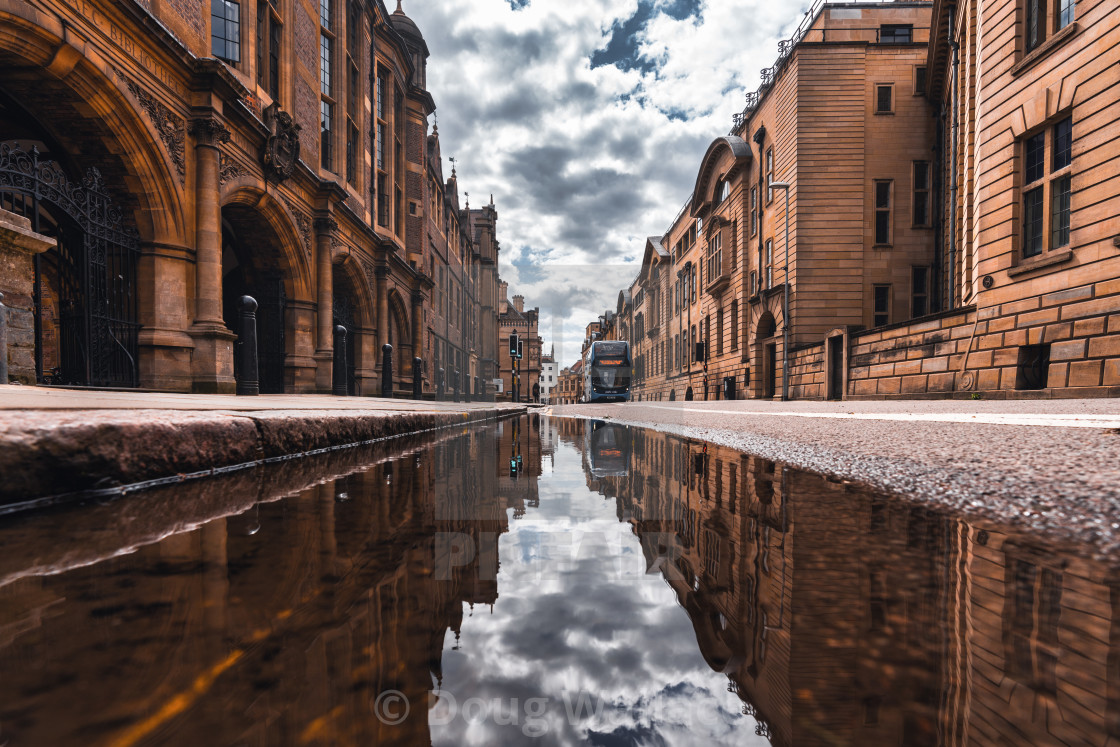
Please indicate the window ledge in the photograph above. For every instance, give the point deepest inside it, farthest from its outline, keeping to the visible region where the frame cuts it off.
(1048, 259)
(882, 246)
(1045, 49)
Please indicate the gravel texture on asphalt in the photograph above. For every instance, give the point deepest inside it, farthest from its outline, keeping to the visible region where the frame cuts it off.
(1063, 482)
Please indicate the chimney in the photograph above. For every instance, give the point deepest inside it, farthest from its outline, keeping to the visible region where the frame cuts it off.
(519, 304)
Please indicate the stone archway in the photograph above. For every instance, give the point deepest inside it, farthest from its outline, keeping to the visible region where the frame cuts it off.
(766, 357)
(91, 117)
(400, 337)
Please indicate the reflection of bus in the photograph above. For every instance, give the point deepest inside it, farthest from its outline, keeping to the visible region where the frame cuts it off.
(608, 449)
(606, 371)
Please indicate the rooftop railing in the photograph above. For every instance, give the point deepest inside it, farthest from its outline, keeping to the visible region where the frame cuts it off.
(839, 33)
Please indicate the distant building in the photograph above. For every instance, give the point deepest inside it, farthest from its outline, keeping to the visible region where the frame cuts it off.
(514, 319)
(549, 376)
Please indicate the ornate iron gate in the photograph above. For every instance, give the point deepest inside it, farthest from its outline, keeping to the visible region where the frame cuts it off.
(93, 270)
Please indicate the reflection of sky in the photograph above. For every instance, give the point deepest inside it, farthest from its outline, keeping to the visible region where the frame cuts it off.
(582, 647)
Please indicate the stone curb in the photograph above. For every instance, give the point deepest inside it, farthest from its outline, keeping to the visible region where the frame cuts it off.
(46, 455)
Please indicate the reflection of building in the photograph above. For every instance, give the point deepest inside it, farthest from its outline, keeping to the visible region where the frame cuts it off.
(842, 617)
(187, 153)
(296, 615)
(513, 319)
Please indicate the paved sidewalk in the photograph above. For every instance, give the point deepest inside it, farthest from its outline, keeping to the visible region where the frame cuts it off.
(1043, 464)
(55, 441)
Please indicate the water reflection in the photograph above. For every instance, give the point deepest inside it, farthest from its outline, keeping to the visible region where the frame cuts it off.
(553, 582)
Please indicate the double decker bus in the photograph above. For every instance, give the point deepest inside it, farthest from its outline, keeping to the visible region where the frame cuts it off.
(606, 371)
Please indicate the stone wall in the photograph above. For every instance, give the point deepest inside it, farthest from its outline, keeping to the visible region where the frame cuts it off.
(18, 245)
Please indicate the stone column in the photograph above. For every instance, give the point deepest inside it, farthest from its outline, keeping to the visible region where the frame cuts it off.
(212, 364)
(325, 229)
(18, 246)
(381, 284)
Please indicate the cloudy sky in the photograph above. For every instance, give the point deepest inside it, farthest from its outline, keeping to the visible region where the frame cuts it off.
(587, 120)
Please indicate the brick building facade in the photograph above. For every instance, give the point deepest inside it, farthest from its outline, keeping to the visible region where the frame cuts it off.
(186, 154)
(951, 225)
(520, 379)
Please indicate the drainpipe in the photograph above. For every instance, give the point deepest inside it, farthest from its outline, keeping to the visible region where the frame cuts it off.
(760, 141)
(954, 93)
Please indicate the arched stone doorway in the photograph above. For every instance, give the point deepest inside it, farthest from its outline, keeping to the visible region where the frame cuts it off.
(85, 299)
(253, 265)
(766, 357)
(400, 337)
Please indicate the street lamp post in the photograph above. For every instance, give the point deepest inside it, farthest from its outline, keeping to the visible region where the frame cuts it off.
(785, 187)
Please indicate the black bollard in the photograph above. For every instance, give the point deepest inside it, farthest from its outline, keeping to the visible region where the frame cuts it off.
(455, 382)
(341, 365)
(467, 387)
(248, 383)
(441, 386)
(417, 378)
(387, 371)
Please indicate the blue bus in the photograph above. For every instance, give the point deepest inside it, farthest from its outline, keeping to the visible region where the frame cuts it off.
(607, 370)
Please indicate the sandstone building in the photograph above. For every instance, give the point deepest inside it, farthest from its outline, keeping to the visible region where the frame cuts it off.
(951, 224)
(184, 154)
(514, 319)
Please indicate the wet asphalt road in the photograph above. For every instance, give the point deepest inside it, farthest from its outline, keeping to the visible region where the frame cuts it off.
(1049, 465)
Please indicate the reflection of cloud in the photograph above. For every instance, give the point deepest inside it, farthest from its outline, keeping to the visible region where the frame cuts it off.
(587, 119)
(580, 630)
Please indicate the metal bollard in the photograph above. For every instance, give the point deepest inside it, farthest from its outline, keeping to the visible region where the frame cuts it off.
(3, 341)
(341, 365)
(467, 387)
(455, 382)
(441, 385)
(417, 378)
(387, 371)
(248, 383)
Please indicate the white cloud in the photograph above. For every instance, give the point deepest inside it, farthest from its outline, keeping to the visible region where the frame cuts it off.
(584, 163)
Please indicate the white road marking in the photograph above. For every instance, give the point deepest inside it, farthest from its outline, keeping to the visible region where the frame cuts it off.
(1047, 421)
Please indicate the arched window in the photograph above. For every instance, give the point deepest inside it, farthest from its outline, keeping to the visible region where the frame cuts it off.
(723, 191)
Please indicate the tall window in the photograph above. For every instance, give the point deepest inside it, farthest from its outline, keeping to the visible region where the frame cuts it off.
(1046, 17)
(381, 130)
(715, 256)
(754, 211)
(719, 331)
(882, 306)
(734, 325)
(919, 293)
(882, 213)
(769, 173)
(769, 263)
(734, 245)
(1047, 180)
(326, 85)
(270, 34)
(754, 282)
(921, 194)
(884, 99)
(225, 30)
(353, 87)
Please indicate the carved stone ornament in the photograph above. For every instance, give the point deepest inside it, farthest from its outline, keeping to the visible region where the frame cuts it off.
(172, 130)
(209, 131)
(304, 225)
(281, 151)
(229, 170)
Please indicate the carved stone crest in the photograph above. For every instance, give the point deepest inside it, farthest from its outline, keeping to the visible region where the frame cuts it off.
(281, 151)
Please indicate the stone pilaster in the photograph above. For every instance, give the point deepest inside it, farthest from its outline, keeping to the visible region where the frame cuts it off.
(325, 229)
(18, 247)
(212, 363)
